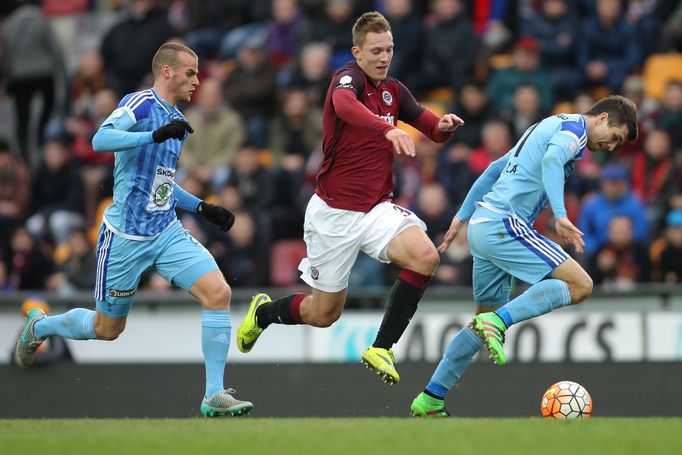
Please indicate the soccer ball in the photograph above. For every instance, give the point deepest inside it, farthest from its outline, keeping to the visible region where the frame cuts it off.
(566, 400)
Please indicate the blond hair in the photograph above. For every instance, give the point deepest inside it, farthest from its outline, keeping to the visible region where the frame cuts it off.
(369, 22)
(169, 54)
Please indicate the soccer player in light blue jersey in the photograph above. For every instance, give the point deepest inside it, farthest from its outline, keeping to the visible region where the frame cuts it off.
(500, 208)
(140, 229)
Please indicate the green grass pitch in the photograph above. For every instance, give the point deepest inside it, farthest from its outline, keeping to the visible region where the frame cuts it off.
(341, 436)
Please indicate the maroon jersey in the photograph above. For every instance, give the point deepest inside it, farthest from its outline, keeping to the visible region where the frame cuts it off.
(357, 171)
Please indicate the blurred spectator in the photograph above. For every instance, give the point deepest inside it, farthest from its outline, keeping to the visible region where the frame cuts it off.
(129, 46)
(608, 48)
(89, 79)
(671, 34)
(338, 23)
(250, 89)
(283, 31)
(526, 110)
(29, 267)
(253, 182)
(77, 271)
(15, 192)
(496, 141)
(407, 33)
(622, 261)
(245, 263)
(669, 117)
(5, 285)
(310, 72)
(54, 348)
(297, 131)
(218, 134)
(669, 268)
(433, 207)
(472, 104)
(57, 194)
(33, 64)
(449, 46)
(525, 69)
(614, 199)
(652, 176)
(208, 21)
(556, 29)
(456, 264)
(454, 173)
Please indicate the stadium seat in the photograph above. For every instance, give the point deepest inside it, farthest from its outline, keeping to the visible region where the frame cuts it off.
(285, 255)
(659, 69)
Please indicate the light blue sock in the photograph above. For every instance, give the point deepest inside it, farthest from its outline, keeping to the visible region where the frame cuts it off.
(541, 298)
(216, 330)
(76, 324)
(456, 359)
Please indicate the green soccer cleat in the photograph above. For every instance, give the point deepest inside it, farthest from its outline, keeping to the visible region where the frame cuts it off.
(224, 404)
(428, 407)
(249, 331)
(28, 343)
(382, 361)
(491, 328)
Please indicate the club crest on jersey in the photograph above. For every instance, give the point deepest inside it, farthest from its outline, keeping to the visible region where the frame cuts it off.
(314, 273)
(387, 97)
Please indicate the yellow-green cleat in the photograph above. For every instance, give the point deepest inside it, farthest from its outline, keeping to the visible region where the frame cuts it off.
(428, 407)
(382, 361)
(490, 328)
(249, 331)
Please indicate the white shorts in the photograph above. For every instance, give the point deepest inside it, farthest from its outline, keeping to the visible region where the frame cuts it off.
(334, 237)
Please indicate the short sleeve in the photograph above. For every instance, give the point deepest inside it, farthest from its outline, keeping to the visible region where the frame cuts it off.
(349, 79)
(131, 109)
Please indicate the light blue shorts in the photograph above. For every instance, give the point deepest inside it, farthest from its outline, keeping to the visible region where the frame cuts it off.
(503, 247)
(175, 254)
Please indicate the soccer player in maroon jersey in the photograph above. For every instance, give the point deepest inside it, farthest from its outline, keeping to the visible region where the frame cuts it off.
(351, 210)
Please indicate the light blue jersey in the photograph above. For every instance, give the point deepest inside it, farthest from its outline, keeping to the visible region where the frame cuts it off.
(533, 173)
(504, 201)
(144, 172)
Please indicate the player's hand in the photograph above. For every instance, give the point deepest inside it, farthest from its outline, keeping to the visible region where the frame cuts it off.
(455, 227)
(449, 123)
(570, 233)
(217, 215)
(402, 142)
(175, 129)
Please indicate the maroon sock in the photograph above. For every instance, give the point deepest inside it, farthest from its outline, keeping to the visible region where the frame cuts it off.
(285, 310)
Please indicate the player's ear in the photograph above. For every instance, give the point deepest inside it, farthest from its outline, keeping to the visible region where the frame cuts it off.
(356, 52)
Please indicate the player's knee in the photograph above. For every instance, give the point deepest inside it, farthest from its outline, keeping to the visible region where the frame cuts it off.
(581, 289)
(218, 298)
(427, 260)
(325, 318)
(108, 333)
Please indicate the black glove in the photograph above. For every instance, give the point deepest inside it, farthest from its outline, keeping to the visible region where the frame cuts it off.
(175, 129)
(217, 215)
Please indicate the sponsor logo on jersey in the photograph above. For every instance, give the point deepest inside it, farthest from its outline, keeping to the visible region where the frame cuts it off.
(388, 117)
(162, 194)
(166, 172)
(124, 293)
(388, 99)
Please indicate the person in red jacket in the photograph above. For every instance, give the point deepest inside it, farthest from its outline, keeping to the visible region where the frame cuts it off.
(352, 209)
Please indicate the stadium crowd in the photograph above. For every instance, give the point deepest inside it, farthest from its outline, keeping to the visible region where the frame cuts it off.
(501, 65)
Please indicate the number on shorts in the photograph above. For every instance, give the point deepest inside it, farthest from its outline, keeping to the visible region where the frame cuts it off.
(402, 210)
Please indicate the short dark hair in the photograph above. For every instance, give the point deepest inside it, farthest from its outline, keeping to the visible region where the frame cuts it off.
(369, 22)
(621, 111)
(167, 54)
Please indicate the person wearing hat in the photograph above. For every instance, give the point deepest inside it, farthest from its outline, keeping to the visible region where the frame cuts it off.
(525, 69)
(614, 198)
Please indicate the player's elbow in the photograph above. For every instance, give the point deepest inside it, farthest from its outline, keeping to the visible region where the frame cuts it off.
(98, 141)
